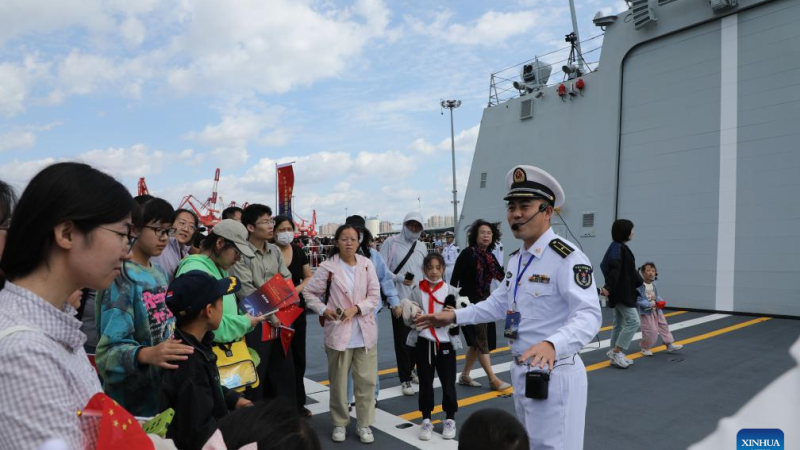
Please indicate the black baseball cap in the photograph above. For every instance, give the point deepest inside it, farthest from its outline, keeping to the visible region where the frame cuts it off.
(191, 292)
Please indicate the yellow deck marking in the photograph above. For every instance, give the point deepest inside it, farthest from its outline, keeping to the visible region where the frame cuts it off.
(491, 395)
(497, 350)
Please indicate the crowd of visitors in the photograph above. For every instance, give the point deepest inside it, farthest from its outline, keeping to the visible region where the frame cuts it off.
(158, 297)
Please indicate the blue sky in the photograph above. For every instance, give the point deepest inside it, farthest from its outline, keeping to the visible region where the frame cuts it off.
(171, 90)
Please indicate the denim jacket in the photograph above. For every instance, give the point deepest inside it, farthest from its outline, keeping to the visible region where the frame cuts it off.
(642, 302)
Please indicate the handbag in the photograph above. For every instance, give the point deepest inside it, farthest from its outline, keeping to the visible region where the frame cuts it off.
(237, 370)
(325, 297)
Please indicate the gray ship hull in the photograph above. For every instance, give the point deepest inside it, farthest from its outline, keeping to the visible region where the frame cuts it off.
(688, 128)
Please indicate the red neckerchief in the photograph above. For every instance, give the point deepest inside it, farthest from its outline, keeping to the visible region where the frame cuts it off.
(425, 287)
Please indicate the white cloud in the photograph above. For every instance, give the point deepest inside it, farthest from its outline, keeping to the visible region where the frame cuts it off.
(465, 142)
(19, 173)
(132, 31)
(16, 81)
(17, 140)
(28, 17)
(131, 162)
(269, 47)
(490, 29)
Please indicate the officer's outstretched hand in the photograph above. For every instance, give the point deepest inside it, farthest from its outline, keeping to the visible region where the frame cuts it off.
(438, 320)
(541, 354)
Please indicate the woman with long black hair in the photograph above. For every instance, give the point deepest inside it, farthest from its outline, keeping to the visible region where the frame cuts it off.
(622, 279)
(71, 230)
(8, 199)
(475, 269)
(297, 263)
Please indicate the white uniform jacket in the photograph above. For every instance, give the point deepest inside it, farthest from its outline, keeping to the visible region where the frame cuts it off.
(558, 302)
(450, 253)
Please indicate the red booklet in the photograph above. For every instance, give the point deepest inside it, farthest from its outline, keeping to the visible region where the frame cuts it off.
(287, 315)
(273, 295)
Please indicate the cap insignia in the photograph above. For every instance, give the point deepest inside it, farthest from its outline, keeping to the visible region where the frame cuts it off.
(519, 175)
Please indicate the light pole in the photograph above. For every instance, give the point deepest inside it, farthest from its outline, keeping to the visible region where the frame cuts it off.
(452, 104)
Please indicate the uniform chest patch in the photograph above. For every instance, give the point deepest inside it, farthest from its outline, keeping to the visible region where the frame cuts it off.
(508, 274)
(582, 275)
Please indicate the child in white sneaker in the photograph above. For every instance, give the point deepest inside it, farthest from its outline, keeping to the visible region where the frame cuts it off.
(436, 350)
(653, 321)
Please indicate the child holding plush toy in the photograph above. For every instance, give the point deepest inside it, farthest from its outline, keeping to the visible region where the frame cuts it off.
(650, 305)
(435, 347)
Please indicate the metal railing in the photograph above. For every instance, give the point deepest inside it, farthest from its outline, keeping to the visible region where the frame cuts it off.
(501, 84)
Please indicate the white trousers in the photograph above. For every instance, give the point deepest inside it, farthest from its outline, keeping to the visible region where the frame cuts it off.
(556, 423)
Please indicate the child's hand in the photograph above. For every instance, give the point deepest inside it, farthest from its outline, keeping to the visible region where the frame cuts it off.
(243, 403)
(652, 303)
(162, 354)
(255, 320)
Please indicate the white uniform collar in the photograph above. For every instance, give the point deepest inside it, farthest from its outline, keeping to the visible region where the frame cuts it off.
(538, 247)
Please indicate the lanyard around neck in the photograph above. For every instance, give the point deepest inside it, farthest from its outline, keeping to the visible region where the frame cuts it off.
(519, 275)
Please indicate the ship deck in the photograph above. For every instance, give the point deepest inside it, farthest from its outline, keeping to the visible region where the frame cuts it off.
(667, 401)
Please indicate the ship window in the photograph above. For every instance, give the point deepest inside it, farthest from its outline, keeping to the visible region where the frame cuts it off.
(588, 220)
(526, 109)
(483, 180)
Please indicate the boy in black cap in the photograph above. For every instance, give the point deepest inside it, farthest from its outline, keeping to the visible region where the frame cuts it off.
(193, 390)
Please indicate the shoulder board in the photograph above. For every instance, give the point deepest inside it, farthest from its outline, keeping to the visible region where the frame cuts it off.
(514, 252)
(561, 247)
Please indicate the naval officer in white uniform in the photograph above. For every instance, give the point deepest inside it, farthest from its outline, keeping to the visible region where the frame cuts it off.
(549, 302)
(450, 254)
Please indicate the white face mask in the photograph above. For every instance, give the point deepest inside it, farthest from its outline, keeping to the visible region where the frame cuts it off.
(409, 235)
(284, 238)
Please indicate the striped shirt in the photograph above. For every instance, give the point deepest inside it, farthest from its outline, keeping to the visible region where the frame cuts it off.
(45, 376)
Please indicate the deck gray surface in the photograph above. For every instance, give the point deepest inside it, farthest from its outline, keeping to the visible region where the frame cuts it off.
(667, 401)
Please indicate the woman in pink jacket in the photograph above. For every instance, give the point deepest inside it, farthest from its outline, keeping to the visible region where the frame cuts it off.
(345, 291)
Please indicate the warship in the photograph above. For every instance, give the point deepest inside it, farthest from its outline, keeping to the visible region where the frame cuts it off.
(684, 122)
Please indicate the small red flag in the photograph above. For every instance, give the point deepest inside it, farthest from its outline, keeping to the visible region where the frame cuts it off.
(118, 428)
(286, 339)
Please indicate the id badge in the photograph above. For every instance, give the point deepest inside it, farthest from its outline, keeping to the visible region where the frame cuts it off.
(512, 325)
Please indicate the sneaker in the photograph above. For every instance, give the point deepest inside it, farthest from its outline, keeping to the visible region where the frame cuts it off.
(414, 376)
(407, 389)
(365, 434)
(618, 359)
(611, 357)
(339, 434)
(646, 352)
(426, 430)
(673, 347)
(449, 430)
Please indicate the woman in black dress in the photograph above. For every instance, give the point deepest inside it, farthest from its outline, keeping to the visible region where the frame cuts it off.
(297, 263)
(474, 271)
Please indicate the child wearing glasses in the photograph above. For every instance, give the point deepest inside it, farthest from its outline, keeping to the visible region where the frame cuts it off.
(135, 327)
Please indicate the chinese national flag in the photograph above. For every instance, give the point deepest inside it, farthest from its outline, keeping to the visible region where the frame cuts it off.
(286, 339)
(118, 428)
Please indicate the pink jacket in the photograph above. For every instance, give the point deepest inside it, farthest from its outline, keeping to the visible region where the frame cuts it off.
(366, 296)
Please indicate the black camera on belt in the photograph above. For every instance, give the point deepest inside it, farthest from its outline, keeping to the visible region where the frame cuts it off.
(537, 384)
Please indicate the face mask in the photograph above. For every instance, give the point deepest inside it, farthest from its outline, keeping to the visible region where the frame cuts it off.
(409, 235)
(284, 238)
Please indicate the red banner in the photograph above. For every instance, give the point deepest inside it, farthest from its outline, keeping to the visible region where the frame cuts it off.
(285, 187)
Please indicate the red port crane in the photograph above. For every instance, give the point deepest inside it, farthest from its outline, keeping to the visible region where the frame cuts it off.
(311, 229)
(142, 188)
(207, 212)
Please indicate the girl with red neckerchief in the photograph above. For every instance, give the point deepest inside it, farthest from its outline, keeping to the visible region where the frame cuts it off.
(435, 347)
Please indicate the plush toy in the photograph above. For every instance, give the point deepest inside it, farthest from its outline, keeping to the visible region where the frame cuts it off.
(462, 302)
(410, 311)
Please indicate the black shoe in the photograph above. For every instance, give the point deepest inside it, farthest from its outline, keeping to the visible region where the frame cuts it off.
(351, 406)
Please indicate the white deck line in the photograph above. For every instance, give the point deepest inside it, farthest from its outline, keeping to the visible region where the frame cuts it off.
(388, 422)
(728, 122)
